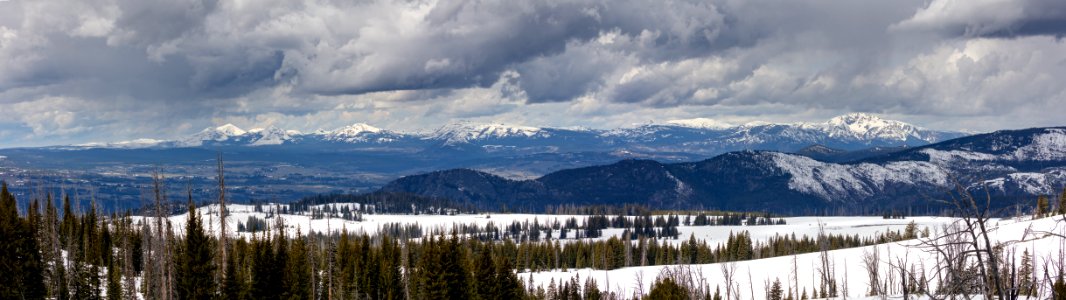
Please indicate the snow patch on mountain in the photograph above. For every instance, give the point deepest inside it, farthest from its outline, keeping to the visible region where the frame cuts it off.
(835, 181)
(1031, 183)
(1044, 147)
(1048, 146)
(947, 157)
(701, 123)
(218, 134)
(269, 136)
(867, 127)
(466, 132)
(355, 133)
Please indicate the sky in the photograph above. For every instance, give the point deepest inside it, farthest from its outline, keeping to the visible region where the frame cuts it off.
(109, 70)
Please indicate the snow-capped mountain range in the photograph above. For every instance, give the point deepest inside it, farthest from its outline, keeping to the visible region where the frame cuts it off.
(1013, 166)
(700, 136)
(854, 160)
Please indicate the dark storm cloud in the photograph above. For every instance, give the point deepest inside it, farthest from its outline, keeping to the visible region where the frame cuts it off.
(999, 19)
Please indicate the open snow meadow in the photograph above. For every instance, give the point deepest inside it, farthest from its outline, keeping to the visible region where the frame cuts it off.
(429, 224)
(799, 275)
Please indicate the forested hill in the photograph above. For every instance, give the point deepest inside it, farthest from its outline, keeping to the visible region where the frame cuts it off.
(1015, 166)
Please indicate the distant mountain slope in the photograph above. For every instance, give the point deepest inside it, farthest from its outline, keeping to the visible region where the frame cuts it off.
(283, 164)
(773, 181)
(697, 136)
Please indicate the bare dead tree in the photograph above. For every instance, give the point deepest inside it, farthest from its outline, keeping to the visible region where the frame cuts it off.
(223, 243)
(975, 216)
(871, 261)
(795, 276)
(729, 269)
(162, 247)
(751, 283)
(825, 269)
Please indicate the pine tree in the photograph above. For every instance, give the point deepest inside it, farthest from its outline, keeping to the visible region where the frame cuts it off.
(195, 263)
(775, 290)
(1041, 206)
(1058, 289)
(485, 275)
(1025, 275)
(114, 282)
(20, 257)
(508, 286)
(666, 288)
(1062, 202)
(233, 285)
(298, 273)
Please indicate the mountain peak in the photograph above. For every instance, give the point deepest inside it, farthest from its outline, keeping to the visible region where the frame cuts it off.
(356, 129)
(859, 119)
(355, 133)
(869, 126)
(228, 129)
(465, 131)
(701, 123)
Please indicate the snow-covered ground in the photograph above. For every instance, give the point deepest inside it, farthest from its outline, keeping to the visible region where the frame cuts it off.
(371, 223)
(751, 277)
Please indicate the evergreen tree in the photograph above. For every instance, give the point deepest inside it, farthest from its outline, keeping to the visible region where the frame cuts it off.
(507, 284)
(485, 275)
(114, 282)
(1058, 289)
(20, 257)
(1062, 202)
(666, 288)
(592, 292)
(775, 291)
(389, 270)
(195, 263)
(1025, 276)
(298, 275)
(233, 287)
(1041, 206)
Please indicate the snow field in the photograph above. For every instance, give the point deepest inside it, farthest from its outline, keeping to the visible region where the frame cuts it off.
(751, 277)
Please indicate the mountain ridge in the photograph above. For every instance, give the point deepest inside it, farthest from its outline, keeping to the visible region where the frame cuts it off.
(775, 181)
(701, 135)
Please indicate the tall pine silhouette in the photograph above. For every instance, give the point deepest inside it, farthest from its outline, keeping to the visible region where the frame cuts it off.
(195, 268)
(20, 258)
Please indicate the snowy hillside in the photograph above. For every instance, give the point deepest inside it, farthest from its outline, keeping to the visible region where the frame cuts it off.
(751, 278)
(836, 182)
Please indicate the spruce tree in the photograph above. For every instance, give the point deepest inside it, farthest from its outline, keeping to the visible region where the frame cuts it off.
(20, 257)
(1041, 207)
(666, 288)
(233, 285)
(114, 282)
(1058, 289)
(1025, 275)
(507, 284)
(775, 291)
(485, 275)
(195, 263)
(1062, 202)
(298, 274)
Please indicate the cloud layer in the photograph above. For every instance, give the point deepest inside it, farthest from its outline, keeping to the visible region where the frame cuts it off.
(77, 71)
